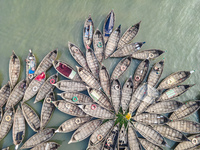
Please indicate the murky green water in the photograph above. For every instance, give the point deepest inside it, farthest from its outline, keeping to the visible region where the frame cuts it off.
(48, 24)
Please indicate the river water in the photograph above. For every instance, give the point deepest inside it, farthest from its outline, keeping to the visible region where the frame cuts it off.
(44, 25)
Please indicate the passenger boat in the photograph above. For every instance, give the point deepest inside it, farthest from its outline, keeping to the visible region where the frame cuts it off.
(47, 145)
(116, 94)
(123, 139)
(148, 145)
(133, 141)
(5, 93)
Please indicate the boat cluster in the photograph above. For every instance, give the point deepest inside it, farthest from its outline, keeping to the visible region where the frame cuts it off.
(110, 114)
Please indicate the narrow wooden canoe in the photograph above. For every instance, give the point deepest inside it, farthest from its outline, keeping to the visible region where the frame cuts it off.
(72, 124)
(140, 73)
(148, 145)
(75, 97)
(116, 94)
(121, 67)
(78, 55)
(174, 92)
(123, 139)
(155, 73)
(47, 62)
(186, 110)
(128, 36)
(5, 93)
(151, 54)
(69, 108)
(88, 31)
(66, 70)
(127, 49)
(47, 109)
(97, 111)
(100, 98)
(101, 132)
(19, 128)
(174, 79)
(14, 69)
(85, 130)
(133, 141)
(150, 134)
(17, 94)
(6, 122)
(46, 87)
(108, 25)
(88, 78)
(127, 92)
(164, 107)
(112, 42)
(98, 45)
(31, 65)
(191, 144)
(47, 146)
(92, 62)
(111, 140)
(105, 80)
(36, 139)
(31, 117)
(1, 114)
(170, 133)
(34, 86)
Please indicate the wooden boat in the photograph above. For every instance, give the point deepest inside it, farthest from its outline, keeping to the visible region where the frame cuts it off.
(100, 133)
(112, 42)
(36, 139)
(174, 92)
(66, 70)
(123, 139)
(174, 79)
(92, 62)
(185, 126)
(47, 109)
(191, 144)
(121, 67)
(31, 65)
(111, 140)
(116, 94)
(6, 122)
(47, 62)
(85, 131)
(19, 128)
(151, 119)
(1, 114)
(5, 93)
(47, 146)
(186, 110)
(133, 138)
(140, 73)
(96, 147)
(150, 134)
(98, 45)
(97, 111)
(100, 98)
(78, 55)
(14, 69)
(170, 133)
(75, 97)
(31, 117)
(72, 124)
(46, 87)
(155, 73)
(108, 25)
(17, 94)
(127, 49)
(69, 108)
(164, 107)
(148, 145)
(34, 86)
(151, 54)
(128, 36)
(127, 92)
(105, 80)
(88, 31)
